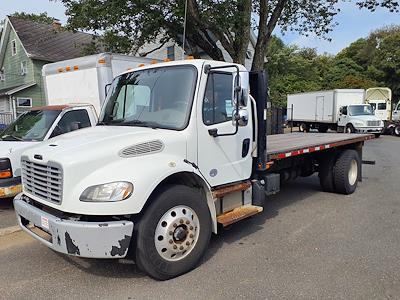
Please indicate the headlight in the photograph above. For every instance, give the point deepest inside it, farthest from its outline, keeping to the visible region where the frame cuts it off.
(359, 123)
(5, 168)
(108, 192)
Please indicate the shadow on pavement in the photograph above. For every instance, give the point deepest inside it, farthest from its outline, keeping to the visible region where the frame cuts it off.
(291, 192)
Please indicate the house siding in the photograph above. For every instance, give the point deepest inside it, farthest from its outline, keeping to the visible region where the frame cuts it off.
(12, 65)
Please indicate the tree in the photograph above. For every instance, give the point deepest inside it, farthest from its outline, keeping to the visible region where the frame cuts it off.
(210, 23)
(42, 17)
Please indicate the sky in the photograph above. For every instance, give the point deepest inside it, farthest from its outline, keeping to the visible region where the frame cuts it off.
(353, 22)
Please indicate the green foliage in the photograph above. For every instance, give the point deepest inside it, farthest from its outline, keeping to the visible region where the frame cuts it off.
(42, 17)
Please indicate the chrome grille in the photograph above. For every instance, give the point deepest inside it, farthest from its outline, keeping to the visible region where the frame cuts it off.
(373, 123)
(43, 181)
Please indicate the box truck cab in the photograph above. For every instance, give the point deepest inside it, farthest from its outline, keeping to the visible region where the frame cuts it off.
(32, 127)
(396, 112)
(181, 147)
(359, 118)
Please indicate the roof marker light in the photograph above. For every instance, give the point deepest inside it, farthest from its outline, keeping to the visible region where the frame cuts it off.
(67, 68)
(166, 59)
(76, 68)
(190, 57)
(102, 61)
(60, 70)
(141, 65)
(153, 62)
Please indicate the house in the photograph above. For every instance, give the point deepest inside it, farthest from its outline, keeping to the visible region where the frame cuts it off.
(172, 51)
(25, 46)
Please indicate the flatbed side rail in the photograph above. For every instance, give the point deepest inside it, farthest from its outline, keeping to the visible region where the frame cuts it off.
(315, 148)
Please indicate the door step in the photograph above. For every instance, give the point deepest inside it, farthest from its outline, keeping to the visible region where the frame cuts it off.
(238, 214)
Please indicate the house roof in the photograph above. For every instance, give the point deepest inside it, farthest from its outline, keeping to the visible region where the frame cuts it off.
(15, 89)
(44, 42)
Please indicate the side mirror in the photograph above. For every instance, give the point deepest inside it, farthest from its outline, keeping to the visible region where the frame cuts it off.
(244, 96)
(241, 117)
(76, 126)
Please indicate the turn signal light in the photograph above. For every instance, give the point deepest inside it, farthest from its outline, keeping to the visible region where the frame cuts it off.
(5, 174)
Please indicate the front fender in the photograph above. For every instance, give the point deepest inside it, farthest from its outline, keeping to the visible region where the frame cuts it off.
(145, 173)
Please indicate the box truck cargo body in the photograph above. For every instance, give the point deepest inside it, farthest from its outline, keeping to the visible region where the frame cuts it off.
(84, 79)
(333, 109)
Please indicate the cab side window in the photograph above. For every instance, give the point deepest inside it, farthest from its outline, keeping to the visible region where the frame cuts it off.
(217, 103)
(71, 121)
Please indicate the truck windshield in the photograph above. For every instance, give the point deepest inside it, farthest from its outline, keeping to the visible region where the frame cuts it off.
(31, 126)
(158, 98)
(360, 110)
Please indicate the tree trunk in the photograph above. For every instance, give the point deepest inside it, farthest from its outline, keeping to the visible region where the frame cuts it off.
(242, 32)
(265, 31)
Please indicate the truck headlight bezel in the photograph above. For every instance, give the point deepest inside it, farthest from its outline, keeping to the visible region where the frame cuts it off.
(5, 168)
(107, 192)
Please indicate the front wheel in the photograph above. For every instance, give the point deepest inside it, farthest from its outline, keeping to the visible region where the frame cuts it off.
(350, 128)
(377, 135)
(173, 233)
(304, 127)
(397, 130)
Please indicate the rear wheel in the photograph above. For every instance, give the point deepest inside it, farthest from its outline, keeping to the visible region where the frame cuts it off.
(322, 128)
(377, 135)
(304, 127)
(346, 172)
(173, 233)
(350, 128)
(325, 174)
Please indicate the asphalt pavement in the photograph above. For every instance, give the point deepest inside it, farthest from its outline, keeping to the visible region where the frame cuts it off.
(305, 245)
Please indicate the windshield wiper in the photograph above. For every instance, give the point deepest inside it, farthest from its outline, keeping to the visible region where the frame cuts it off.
(150, 124)
(15, 138)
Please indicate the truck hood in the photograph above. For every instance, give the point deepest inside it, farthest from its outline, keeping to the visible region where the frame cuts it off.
(101, 142)
(13, 150)
(365, 118)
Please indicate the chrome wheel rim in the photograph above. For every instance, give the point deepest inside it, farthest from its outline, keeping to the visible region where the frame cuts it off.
(397, 130)
(348, 130)
(353, 172)
(177, 233)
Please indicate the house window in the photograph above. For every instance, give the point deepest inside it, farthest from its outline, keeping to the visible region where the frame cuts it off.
(171, 52)
(24, 102)
(2, 75)
(24, 68)
(14, 47)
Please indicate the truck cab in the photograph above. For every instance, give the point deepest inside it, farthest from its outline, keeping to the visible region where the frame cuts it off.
(396, 112)
(180, 151)
(29, 129)
(359, 118)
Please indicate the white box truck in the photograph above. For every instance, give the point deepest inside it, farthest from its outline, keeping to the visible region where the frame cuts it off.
(340, 110)
(181, 148)
(85, 79)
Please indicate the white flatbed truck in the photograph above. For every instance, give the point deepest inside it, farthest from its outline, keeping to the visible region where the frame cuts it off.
(180, 151)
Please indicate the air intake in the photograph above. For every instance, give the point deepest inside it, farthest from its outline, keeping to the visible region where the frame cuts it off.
(142, 149)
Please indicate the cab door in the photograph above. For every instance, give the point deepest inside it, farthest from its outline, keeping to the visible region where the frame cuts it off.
(223, 159)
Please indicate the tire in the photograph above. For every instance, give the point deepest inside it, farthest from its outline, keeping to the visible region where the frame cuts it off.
(346, 172)
(322, 128)
(162, 223)
(377, 135)
(349, 128)
(304, 127)
(325, 174)
(396, 130)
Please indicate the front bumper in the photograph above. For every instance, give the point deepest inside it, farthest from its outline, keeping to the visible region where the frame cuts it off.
(78, 238)
(10, 187)
(369, 129)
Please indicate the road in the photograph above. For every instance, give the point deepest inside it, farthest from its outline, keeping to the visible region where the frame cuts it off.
(305, 245)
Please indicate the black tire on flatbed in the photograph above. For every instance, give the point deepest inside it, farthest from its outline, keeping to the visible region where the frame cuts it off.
(174, 207)
(346, 172)
(325, 174)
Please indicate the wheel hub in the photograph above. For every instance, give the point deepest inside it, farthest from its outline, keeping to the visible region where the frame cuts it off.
(176, 233)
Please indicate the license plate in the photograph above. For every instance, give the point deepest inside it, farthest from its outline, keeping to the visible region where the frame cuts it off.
(44, 222)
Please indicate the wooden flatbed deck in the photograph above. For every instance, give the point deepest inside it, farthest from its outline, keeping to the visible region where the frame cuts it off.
(291, 144)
